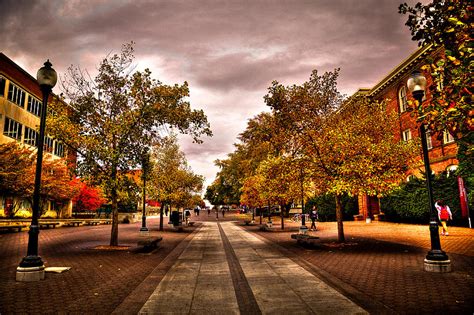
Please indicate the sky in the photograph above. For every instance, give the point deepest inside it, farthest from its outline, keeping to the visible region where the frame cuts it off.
(229, 52)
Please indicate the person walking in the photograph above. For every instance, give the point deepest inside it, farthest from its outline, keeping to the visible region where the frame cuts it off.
(313, 216)
(223, 212)
(444, 214)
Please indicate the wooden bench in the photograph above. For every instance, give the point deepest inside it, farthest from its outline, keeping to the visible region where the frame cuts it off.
(149, 242)
(72, 223)
(47, 225)
(92, 222)
(304, 238)
(13, 227)
(108, 221)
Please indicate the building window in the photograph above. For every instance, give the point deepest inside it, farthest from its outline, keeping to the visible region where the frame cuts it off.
(402, 99)
(428, 140)
(447, 137)
(16, 95)
(30, 136)
(34, 106)
(12, 129)
(48, 144)
(59, 149)
(406, 135)
(2, 86)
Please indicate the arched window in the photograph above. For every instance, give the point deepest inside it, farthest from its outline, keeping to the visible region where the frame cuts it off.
(402, 99)
(410, 177)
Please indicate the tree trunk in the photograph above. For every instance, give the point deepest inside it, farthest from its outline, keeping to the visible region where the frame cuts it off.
(114, 232)
(162, 207)
(282, 207)
(340, 226)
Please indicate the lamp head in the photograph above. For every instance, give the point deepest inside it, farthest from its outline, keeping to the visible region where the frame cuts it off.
(47, 76)
(417, 84)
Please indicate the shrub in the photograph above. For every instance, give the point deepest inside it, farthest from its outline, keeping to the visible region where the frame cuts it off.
(326, 205)
(410, 202)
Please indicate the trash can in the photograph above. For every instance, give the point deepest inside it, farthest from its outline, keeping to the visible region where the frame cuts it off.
(303, 229)
(175, 218)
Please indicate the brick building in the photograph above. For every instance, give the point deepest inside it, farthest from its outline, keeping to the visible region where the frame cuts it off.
(393, 88)
(20, 108)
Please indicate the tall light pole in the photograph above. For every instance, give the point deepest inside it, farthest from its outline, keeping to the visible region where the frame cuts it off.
(436, 260)
(31, 267)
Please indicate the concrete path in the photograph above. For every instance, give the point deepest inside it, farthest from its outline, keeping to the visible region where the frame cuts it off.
(227, 270)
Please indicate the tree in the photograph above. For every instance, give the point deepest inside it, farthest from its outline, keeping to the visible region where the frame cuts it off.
(256, 143)
(171, 181)
(17, 172)
(112, 119)
(90, 198)
(448, 24)
(280, 182)
(348, 145)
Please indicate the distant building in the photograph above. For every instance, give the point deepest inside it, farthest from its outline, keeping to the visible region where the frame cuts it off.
(393, 87)
(20, 108)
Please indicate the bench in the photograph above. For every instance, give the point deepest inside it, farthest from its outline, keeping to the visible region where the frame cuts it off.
(47, 225)
(267, 227)
(72, 223)
(108, 221)
(248, 222)
(92, 222)
(149, 242)
(304, 238)
(12, 227)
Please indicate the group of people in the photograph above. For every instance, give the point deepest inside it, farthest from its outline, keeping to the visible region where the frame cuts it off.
(444, 215)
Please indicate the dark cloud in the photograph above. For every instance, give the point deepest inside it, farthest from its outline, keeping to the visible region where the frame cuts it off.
(229, 51)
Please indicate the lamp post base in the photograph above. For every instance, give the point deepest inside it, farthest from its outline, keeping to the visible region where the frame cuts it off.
(144, 231)
(29, 274)
(439, 266)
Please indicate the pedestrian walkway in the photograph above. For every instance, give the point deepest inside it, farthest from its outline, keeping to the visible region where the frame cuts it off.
(227, 270)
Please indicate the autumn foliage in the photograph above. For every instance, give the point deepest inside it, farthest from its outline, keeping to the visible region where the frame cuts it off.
(90, 198)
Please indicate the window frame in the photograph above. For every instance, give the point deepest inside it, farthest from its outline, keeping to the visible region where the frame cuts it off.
(16, 133)
(16, 95)
(406, 132)
(3, 85)
(447, 137)
(402, 99)
(28, 139)
(34, 105)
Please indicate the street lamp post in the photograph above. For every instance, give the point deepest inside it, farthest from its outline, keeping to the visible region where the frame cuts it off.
(31, 268)
(145, 164)
(217, 207)
(436, 260)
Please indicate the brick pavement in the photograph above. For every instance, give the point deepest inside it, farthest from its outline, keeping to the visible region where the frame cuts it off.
(380, 267)
(99, 280)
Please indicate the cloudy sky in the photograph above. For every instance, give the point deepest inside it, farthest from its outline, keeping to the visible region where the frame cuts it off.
(228, 51)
